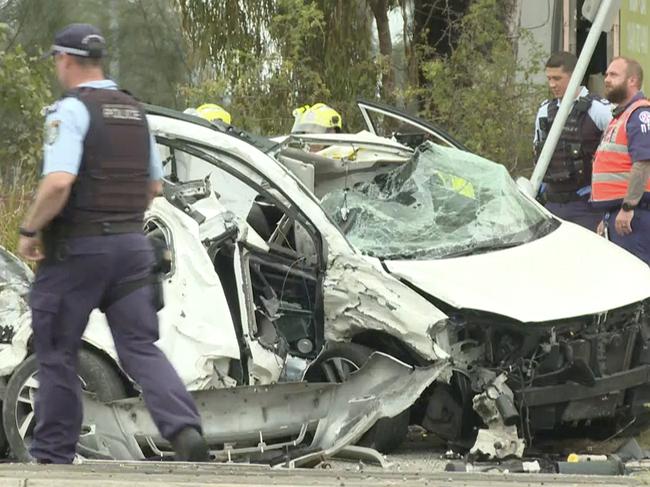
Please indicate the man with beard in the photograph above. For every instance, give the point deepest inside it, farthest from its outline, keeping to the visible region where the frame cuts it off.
(568, 177)
(620, 184)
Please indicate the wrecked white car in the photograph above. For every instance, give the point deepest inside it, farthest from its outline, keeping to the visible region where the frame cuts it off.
(455, 257)
(274, 329)
(420, 254)
(541, 334)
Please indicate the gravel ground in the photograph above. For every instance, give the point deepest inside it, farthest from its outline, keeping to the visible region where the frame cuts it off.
(427, 454)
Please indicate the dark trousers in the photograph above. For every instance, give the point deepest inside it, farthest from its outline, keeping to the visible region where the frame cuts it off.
(63, 295)
(637, 242)
(578, 212)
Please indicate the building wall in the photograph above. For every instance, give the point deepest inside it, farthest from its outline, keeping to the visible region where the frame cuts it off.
(634, 38)
(536, 16)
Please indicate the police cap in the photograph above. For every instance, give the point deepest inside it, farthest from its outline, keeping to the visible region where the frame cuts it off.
(83, 40)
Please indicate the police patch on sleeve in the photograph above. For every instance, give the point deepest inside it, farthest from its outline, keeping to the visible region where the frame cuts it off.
(46, 110)
(644, 119)
(52, 131)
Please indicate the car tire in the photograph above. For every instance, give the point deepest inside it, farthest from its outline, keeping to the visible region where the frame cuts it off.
(333, 365)
(97, 376)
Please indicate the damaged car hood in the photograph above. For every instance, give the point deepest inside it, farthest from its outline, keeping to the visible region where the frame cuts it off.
(567, 273)
(457, 227)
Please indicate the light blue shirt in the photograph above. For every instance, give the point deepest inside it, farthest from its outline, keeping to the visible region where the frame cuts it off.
(600, 112)
(66, 126)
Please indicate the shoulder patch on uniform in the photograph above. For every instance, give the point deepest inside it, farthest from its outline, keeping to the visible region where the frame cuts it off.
(644, 117)
(46, 110)
(52, 131)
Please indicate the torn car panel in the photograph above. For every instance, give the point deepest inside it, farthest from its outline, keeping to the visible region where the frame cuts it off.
(15, 318)
(258, 419)
(360, 298)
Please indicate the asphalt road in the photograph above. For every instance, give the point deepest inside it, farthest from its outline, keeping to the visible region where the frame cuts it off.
(421, 462)
(206, 475)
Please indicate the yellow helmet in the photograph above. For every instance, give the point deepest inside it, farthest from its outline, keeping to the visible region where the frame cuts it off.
(316, 119)
(212, 112)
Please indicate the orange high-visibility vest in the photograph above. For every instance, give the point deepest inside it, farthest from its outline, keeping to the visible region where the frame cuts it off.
(612, 161)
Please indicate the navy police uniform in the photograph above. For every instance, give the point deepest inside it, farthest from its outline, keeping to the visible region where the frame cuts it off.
(638, 133)
(92, 248)
(568, 178)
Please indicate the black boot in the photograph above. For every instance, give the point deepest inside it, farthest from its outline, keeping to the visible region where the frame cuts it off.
(190, 446)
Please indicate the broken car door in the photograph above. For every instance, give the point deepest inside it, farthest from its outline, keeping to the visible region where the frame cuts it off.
(384, 121)
(272, 267)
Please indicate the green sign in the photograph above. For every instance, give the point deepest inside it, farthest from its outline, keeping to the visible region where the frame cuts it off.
(635, 32)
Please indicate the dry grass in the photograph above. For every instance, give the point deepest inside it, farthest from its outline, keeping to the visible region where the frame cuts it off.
(13, 205)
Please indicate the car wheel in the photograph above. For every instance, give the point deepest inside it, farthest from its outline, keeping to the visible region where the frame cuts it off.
(335, 364)
(18, 420)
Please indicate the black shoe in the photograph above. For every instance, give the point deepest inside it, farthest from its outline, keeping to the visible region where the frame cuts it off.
(190, 446)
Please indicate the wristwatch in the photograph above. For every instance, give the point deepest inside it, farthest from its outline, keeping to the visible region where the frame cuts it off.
(27, 233)
(627, 206)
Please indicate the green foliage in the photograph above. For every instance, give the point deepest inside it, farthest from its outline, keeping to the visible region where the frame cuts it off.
(13, 205)
(262, 59)
(24, 91)
(147, 52)
(481, 93)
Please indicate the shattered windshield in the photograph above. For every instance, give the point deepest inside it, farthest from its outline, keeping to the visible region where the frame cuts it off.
(444, 202)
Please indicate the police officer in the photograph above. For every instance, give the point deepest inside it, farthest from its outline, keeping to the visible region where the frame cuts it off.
(621, 174)
(100, 172)
(568, 177)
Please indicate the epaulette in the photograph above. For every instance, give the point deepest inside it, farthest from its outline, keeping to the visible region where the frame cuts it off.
(46, 110)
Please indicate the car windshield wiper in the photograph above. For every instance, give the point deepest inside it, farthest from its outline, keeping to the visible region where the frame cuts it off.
(481, 249)
(455, 251)
(544, 227)
(533, 232)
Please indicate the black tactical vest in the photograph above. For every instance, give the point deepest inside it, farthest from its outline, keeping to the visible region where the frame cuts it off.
(112, 183)
(570, 166)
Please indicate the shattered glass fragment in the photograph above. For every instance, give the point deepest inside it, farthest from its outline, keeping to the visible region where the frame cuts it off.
(444, 202)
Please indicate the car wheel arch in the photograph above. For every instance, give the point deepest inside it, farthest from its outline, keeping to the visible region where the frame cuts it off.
(390, 345)
(102, 354)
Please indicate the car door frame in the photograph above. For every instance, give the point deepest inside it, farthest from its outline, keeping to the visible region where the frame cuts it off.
(366, 106)
(205, 152)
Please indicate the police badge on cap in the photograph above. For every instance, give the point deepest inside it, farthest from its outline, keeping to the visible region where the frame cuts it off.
(82, 40)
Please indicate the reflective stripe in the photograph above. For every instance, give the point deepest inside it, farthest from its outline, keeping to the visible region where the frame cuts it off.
(611, 176)
(70, 50)
(608, 191)
(605, 162)
(612, 147)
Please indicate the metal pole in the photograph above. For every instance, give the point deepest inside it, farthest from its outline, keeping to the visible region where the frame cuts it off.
(114, 26)
(569, 96)
(566, 22)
